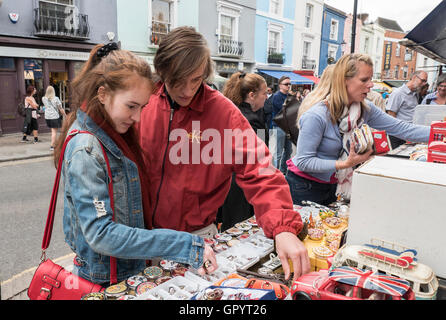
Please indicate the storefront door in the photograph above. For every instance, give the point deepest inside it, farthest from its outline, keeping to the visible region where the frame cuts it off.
(9, 119)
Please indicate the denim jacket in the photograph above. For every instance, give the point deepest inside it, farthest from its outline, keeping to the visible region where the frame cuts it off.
(88, 226)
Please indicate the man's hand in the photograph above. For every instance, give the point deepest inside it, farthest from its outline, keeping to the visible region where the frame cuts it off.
(288, 246)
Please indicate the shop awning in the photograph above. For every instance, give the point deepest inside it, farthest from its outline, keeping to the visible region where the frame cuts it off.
(429, 36)
(295, 78)
(395, 83)
(308, 74)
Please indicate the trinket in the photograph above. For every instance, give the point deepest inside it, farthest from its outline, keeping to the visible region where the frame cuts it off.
(115, 291)
(135, 281)
(162, 280)
(168, 265)
(144, 287)
(94, 296)
(153, 272)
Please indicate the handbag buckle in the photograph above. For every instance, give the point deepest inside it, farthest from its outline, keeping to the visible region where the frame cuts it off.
(47, 291)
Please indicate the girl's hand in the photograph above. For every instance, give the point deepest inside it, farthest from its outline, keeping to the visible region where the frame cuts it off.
(209, 261)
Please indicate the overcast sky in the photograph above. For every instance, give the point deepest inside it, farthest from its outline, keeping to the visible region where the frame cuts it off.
(408, 13)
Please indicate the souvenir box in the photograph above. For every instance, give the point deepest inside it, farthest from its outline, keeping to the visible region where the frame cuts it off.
(402, 202)
(234, 293)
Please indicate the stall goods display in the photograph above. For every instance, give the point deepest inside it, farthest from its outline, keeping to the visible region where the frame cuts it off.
(228, 293)
(391, 258)
(348, 283)
(322, 252)
(333, 222)
(280, 290)
(316, 234)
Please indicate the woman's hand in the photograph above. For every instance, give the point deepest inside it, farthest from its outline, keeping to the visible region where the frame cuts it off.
(353, 158)
(209, 261)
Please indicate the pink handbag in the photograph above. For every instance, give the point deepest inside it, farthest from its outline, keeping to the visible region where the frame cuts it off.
(51, 281)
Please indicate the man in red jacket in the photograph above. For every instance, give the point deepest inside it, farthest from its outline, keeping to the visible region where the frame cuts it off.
(194, 138)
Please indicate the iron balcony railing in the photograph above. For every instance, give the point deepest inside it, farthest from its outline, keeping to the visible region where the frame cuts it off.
(308, 64)
(230, 48)
(58, 24)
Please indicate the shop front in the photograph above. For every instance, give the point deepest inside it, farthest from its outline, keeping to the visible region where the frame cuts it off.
(40, 63)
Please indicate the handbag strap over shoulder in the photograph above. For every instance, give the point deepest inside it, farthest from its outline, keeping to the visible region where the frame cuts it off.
(52, 209)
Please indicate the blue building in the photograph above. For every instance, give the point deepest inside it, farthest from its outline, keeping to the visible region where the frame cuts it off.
(274, 39)
(333, 24)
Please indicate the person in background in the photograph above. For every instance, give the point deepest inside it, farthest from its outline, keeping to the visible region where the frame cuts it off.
(438, 97)
(54, 113)
(268, 112)
(269, 92)
(305, 93)
(247, 91)
(403, 101)
(188, 122)
(375, 98)
(108, 94)
(423, 92)
(30, 124)
(323, 166)
(280, 146)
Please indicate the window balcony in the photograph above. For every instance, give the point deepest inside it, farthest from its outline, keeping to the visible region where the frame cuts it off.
(58, 24)
(230, 48)
(276, 58)
(308, 64)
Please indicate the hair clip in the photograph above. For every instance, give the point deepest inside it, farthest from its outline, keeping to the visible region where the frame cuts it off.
(105, 50)
(242, 75)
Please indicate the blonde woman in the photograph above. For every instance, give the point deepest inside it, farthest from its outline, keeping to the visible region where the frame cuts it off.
(323, 165)
(54, 113)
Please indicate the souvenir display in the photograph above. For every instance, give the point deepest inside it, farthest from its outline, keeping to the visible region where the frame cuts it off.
(94, 296)
(222, 237)
(333, 222)
(220, 248)
(116, 291)
(233, 280)
(162, 280)
(252, 221)
(243, 236)
(234, 231)
(126, 297)
(153, 272)
(232, 243)
(135, 281)
(168, 265)
(227, 293)
(178, 271)
(348, 283)
(322, 252)
(316, 234)
(144, 287)
(244, 226)
(273, 263)
(324, 214)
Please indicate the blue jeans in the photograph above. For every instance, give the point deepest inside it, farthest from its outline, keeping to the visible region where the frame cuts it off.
(280, 148)
(303, 189)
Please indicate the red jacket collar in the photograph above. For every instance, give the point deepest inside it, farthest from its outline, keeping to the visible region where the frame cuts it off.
(198, 101)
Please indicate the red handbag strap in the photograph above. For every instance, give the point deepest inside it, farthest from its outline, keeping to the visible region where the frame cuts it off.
(52, 209)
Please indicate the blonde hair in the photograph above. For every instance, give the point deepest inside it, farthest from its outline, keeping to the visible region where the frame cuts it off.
(50, 93)
(240, 85)
(320, 93)
(180, 54)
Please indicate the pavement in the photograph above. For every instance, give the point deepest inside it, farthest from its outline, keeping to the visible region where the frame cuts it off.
(11, 149)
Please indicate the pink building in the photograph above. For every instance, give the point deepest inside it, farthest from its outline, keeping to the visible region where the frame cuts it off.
(346, 48)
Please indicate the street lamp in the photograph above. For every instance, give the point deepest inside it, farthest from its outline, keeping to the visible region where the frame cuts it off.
(355, 15)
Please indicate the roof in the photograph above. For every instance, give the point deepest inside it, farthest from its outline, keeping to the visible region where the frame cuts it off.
(340, 12)
(389, 24)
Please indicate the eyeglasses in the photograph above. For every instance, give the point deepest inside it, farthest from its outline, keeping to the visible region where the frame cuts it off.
(286, 84)
(422, 80)
(442, 87)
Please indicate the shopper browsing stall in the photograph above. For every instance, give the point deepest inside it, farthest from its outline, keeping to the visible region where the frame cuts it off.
(438, 97)
(109, 94)
(323, 166)
(189, 135)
